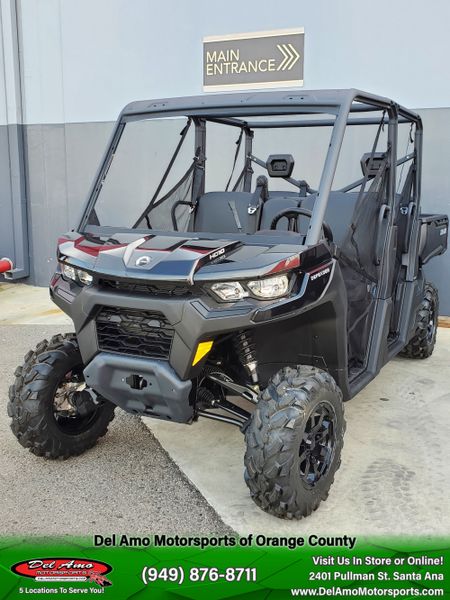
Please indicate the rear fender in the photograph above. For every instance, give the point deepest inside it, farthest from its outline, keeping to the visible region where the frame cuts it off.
(433, 236)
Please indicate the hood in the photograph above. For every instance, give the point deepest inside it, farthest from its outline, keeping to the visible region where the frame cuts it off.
(187, 259)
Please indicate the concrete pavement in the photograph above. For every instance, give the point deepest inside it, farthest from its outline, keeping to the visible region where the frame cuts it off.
(125, 484)
(394, 477)
(28, 305)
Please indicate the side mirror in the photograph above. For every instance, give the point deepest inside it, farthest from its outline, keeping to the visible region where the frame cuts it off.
(371, 163)
(280, 165)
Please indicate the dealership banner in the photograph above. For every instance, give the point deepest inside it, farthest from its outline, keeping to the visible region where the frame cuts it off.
(253, 566)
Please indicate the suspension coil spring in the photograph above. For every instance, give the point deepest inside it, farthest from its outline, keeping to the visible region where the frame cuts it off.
(205, 397)
(245, 350)
(245, 346)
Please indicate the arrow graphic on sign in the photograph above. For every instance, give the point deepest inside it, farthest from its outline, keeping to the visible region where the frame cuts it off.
(290, 55)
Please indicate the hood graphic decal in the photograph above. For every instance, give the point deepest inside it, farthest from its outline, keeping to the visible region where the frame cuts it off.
(178, 259)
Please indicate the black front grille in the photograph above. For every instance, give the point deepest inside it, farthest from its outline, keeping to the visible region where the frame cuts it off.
(160, 289)
(136, 332)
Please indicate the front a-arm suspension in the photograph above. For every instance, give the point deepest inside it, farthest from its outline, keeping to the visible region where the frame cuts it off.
(207, 399)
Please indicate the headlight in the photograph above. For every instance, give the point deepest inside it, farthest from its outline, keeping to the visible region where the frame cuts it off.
(77, 275)
(271, 287)
(229, 290)
(84, 277)
(69, 272)
(263, 289)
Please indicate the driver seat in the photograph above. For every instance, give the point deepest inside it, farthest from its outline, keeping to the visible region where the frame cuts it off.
(274, 205)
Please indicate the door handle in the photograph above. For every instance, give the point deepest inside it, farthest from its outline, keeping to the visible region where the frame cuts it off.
(382, 217)
(409, 222)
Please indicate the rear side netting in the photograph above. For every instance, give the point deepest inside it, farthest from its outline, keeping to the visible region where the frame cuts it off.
(239, 185)
(172, 211)
(358, 265)
(247, 171)
(244, 176)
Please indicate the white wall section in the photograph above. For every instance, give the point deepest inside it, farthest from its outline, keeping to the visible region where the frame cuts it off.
(84, 60)
(10, 83)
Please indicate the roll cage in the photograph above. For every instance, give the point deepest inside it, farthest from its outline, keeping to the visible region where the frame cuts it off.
(347, 107)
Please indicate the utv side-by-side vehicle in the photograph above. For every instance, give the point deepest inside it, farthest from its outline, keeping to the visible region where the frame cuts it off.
(252, 258)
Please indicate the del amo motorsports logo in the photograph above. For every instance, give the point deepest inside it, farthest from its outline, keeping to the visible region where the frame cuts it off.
(251, 60)
(64, 570)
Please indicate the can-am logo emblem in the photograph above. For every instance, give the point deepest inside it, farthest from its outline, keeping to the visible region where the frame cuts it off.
(143, 261)
(64, 569)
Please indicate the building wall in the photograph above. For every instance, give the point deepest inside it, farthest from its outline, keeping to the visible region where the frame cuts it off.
(84, 60)
(81, 62)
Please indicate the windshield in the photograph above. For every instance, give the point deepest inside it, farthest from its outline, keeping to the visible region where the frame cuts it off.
(140, 161)
(162, 167)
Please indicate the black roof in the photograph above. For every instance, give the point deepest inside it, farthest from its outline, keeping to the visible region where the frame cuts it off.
(259, 102)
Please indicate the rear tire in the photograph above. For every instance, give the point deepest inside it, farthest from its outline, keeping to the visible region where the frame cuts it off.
(38, 421)
(421, 345)
(294, 442)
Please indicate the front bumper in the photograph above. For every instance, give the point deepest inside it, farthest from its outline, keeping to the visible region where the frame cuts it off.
(140, 386)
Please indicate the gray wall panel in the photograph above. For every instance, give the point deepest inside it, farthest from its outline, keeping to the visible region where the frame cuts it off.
(6, 212)
(46, 192)
(85, 144)
(61, 162)
(13, 210)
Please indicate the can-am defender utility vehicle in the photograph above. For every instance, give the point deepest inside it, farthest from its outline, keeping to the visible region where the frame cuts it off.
(208, 278)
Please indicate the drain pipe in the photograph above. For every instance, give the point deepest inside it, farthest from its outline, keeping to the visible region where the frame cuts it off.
(14, 223)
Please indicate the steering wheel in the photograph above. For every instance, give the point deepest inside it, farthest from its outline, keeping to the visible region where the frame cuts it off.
(292, 215)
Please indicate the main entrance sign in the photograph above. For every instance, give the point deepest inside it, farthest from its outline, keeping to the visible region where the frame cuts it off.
(253, 60)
